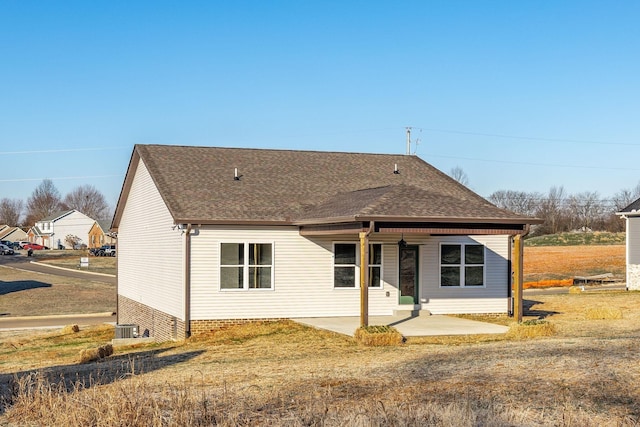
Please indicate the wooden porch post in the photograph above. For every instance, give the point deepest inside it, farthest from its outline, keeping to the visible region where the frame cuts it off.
(364, 278)
(517, 277)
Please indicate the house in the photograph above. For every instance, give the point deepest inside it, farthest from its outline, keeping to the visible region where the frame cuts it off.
(12, 234)
(53, 230)
(99, 234)
(631, 215)
(214, 236)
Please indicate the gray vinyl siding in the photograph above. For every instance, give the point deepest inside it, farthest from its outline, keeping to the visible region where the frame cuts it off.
(303, 277)
(492, 298)
(150, 249)
(633, 252)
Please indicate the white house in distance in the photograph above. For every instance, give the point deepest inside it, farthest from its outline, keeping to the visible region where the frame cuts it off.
(631, 215)
(214, 236)
(53, 230)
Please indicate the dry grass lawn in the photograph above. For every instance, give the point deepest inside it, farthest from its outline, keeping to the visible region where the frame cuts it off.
(587, 374)
(32, 294)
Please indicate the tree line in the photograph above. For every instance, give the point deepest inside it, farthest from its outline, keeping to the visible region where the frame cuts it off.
(561, 212)
(46, 200)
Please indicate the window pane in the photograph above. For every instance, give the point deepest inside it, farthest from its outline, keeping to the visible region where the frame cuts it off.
(474, 254)
(450, 276)
(473, 276)
(232, 254)
(375, 254)
(231, 277)
(374, 277)
(260, 254)
(344, 277)
(450, 254)
(260, 277)
(345, 253)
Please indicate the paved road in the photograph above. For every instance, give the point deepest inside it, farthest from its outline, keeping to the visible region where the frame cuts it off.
(22, 262)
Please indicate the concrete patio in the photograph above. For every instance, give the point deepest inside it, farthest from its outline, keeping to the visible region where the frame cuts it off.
(409, 326)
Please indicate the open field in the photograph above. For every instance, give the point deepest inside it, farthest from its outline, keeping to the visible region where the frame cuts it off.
(566, 262)
(588, 374)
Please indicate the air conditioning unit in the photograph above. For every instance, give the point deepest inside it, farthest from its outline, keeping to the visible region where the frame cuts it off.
(126, 331)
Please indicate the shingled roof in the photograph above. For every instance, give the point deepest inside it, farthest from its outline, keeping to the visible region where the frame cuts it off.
(634, 207)
(198, 185)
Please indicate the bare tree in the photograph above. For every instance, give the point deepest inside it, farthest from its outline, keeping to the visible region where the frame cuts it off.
(88, 200)
(459, 175)
(553, 211)
(44, 201)
(11, 211)
(625, 197)
(516, 201)
(585, 210)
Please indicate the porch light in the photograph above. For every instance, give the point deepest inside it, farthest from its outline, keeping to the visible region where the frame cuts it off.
(402, 243)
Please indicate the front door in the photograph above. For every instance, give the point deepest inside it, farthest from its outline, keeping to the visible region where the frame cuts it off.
(409, 275)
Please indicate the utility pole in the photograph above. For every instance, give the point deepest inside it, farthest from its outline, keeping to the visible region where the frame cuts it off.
(408, 140)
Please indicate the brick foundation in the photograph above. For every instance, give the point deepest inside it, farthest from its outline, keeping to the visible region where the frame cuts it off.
(159, 325)
(204, 326)
(164, 327)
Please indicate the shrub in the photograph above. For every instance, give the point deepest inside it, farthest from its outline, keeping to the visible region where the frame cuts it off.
(91, 354)
(378, 336)
(531, 329)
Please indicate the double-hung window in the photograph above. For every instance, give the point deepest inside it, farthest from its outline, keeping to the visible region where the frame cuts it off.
(461, 265)
(346, 268)
(246, 266)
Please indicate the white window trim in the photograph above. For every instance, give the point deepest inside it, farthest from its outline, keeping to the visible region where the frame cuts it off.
(357, 265)
(462, 265)
(245, 266)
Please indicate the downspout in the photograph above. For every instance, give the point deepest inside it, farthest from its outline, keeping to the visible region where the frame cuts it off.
(187, 282)
(518, 273)
(364, 274)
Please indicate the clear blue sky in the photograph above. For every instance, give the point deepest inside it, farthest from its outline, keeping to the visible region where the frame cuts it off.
(522, 95)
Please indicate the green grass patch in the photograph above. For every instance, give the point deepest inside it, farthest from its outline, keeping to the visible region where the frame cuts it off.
(577, 239)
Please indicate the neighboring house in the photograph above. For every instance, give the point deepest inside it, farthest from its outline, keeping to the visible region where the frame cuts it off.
(99, 235)
(12, 234)
(214, 236)
(631, 215)
(53, 230)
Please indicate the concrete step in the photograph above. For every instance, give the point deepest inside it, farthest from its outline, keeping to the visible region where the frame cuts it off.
(412, 313)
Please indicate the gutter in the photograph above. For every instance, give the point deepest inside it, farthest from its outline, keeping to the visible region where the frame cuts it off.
(187, 282)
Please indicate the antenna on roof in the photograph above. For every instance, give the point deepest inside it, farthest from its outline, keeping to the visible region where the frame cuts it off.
(408, 140)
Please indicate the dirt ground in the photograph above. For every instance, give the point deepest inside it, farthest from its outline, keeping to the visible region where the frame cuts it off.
(566, 262)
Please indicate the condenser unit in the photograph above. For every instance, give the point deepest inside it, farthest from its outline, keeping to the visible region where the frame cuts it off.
(126, 331)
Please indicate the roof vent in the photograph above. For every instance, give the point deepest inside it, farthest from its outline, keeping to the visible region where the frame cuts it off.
(395, 169)
(236, 177)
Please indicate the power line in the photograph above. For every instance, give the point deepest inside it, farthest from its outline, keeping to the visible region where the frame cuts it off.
(535, 164)
(60, 178)
(530, 138)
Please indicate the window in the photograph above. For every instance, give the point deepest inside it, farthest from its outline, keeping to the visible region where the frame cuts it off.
(375, 265)
(246, 266)
(346, 257)
(344, 265)
(461, 265)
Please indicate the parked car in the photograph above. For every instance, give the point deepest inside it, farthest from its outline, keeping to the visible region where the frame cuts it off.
(104, 250)
(34, 246)
(6, 250)
(22, 243)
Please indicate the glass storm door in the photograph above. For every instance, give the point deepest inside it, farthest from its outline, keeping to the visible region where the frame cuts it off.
(408, 275)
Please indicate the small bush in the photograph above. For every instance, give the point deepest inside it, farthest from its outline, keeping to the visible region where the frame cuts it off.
(378, 336)
(92, 354)
(531, 329)
(603, 313)
(70, 329)
(575, 290)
